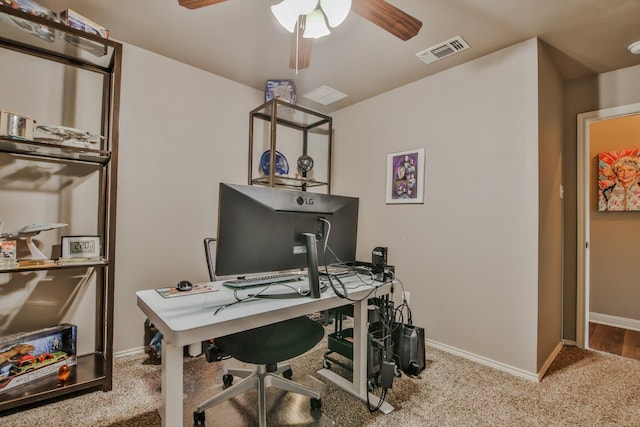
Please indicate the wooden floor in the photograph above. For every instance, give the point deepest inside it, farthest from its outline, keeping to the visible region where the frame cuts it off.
(622, 342)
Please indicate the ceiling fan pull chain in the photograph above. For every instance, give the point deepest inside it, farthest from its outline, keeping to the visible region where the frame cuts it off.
(297, 44)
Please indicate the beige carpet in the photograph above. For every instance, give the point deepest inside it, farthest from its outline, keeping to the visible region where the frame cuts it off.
(582, 388)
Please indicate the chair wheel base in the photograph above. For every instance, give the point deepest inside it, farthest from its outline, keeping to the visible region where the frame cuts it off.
(316, 404)
(198, 418)
(288, 374)
(227, 379)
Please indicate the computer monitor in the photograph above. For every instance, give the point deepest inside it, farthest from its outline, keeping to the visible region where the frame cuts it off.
(262, 229)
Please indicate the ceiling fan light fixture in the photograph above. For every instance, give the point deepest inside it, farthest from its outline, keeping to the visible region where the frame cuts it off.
(336, 11)
(285, 15)
(316, 26)
(303, 7)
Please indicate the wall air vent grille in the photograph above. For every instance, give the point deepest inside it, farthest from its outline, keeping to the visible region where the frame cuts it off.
(442, 50)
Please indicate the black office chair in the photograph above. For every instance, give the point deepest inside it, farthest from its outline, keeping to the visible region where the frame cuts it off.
(265, 347)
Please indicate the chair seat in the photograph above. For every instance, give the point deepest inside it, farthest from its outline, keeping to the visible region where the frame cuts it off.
(273, 343)
(265, 347)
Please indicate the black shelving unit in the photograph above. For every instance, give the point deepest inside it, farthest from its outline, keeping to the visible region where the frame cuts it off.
(48, 41)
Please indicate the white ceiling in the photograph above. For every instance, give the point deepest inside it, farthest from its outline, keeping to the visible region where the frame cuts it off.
(242, 41)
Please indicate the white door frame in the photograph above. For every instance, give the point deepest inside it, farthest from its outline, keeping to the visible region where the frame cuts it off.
(584, 189)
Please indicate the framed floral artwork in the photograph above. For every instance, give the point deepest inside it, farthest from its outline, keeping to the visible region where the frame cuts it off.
(405, 177)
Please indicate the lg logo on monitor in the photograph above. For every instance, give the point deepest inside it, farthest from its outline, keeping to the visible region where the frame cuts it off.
(304, 201)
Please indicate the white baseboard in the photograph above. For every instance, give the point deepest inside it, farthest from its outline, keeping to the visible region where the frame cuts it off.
(618, 322)
(193, 352)
(486, 361)
(462, 353)
(127, 353)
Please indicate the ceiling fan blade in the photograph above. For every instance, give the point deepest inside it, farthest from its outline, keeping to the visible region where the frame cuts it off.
(388, 17)
(300, 57)
(195, 4)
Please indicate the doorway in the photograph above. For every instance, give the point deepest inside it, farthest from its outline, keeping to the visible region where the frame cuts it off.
(600, 298)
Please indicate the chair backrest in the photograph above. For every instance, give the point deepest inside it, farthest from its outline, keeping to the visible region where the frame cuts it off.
(210, 252)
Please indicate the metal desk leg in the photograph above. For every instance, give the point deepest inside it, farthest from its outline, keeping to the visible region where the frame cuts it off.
(358, 387)
(171, 385)
(360, 349)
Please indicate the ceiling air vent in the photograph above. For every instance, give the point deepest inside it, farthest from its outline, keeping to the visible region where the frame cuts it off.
(442, 50)
(325, 95)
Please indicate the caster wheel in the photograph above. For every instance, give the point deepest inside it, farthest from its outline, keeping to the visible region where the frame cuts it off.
(326, 364)
(288, 374)
(316, 404)
(227, 379)
(198, 418)
(398, 372)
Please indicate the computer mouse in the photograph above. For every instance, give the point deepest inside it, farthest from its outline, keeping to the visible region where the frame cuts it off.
(184, 285)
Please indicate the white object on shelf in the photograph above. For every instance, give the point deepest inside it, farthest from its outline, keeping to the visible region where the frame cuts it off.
(27, 232)
(68, 136)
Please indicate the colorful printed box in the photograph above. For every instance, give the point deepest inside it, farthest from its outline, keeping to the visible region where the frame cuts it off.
(8, 254)
(31, 7)
(79, 22)
(28, 356)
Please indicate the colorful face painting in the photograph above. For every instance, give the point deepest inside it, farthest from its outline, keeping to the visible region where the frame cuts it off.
(618, 175)
(405, 176)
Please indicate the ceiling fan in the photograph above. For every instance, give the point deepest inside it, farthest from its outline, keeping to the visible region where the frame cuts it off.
(379, 12)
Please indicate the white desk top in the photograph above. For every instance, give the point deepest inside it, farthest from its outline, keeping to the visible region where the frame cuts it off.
(189, 319)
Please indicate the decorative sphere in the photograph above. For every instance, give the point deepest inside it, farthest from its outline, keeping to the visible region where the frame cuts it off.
(63, 373)
(305, 163)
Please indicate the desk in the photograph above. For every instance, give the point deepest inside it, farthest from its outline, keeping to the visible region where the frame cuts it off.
(189, 319)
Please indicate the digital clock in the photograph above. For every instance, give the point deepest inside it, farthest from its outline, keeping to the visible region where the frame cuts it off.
(80, 247)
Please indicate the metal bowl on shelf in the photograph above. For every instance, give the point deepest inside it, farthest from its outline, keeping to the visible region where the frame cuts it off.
(16, 125)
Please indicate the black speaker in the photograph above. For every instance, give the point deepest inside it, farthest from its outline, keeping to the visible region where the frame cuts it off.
(378, 260)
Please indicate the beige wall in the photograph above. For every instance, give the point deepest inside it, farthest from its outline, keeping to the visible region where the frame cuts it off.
(614, 282)
(451, 114)
(550, 209)
(469, 254)
(182, 131)
(607, 90)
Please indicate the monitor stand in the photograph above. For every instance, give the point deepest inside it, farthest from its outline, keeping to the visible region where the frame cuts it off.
(312, 264)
